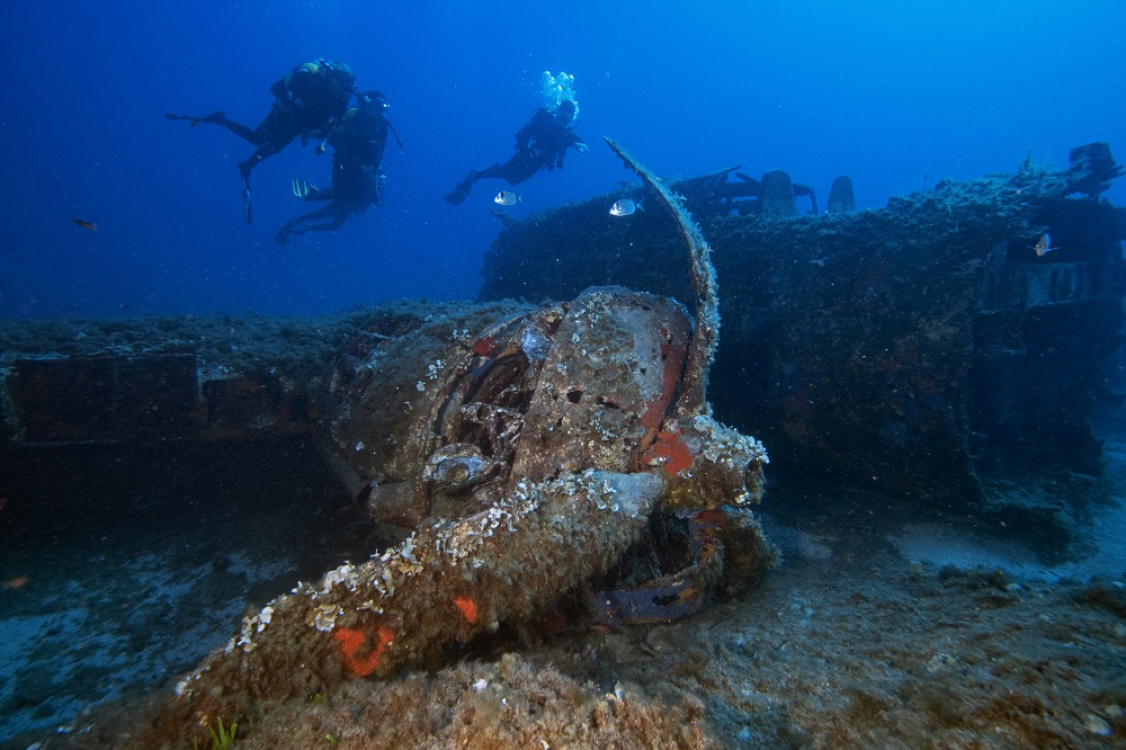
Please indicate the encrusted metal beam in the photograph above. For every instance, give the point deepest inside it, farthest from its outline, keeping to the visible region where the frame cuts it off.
(701, 353)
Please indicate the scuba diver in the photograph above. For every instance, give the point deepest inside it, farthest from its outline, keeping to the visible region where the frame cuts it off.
(357, 182)
(540, 144)
(308, 103)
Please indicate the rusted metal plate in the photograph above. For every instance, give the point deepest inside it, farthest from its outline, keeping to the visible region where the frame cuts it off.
(606, 385)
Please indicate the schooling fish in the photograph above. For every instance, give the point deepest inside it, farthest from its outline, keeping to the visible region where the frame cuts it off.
(506, 198)
(86, 224)
(1043, 245)
(626, 207)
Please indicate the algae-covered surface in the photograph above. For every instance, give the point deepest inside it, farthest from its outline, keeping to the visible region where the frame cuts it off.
(231, 344)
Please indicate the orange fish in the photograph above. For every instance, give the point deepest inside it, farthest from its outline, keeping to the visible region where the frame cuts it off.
(86, 224)
(16, 583)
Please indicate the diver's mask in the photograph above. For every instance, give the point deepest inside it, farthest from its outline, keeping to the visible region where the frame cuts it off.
(375, 101)
(565, 114)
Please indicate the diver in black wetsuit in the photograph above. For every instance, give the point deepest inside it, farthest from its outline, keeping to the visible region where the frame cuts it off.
(357, 183)
(307, 103)
(540, 144)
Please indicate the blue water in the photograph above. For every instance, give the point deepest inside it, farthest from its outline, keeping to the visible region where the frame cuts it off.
(897, 95)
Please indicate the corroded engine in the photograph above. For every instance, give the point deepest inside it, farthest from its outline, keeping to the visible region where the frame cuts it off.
(519, 453)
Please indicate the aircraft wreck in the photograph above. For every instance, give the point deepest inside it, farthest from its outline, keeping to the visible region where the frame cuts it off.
(948, 348)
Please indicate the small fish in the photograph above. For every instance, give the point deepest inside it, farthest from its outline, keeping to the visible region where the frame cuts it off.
(16, 583)
(626, 207)
(86, 224)
(194, 123)
(506, 198)
(1043, 245)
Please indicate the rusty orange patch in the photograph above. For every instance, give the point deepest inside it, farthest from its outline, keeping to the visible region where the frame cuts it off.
(352, 641)
(670, 377)
(670, 447)
(713, 517)
(468, 608)
(485, 346)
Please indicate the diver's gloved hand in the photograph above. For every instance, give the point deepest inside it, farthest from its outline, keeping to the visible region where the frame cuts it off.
(290, 103)
(581, 148)
(284, 105)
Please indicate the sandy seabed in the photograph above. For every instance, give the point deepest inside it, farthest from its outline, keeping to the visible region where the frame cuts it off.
(875, 631)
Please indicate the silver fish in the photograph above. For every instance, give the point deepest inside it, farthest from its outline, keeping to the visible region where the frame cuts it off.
(626, 207)
(506, 198)
(1043, 246)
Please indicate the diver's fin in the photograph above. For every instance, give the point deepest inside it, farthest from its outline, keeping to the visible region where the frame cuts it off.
(215, 118)
(244, 172)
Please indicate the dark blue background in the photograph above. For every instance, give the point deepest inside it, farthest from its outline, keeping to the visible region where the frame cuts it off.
(898, 95)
